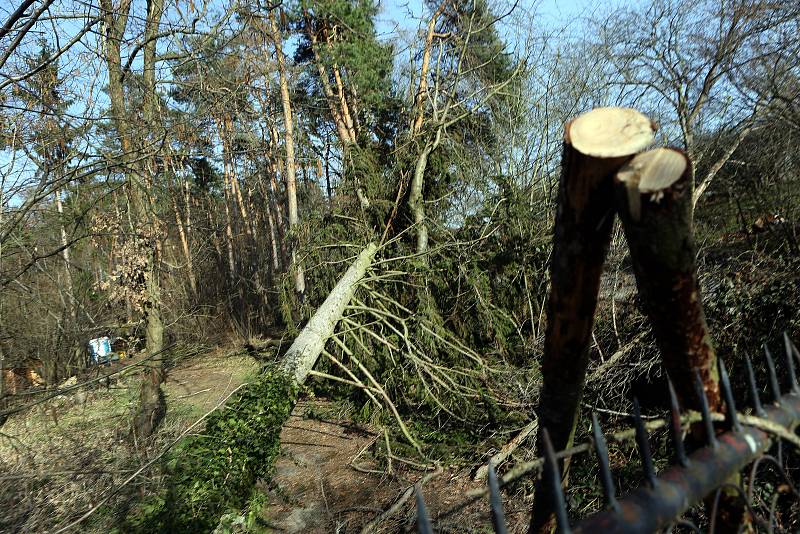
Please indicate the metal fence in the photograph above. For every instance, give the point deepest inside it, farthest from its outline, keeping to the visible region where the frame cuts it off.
(662, 499)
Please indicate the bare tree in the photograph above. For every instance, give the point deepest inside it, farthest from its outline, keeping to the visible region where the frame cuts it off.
(682, 61)
(290, 164)
(141, 168)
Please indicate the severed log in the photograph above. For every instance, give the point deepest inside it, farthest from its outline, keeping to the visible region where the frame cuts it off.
(308, 345)
(655, 205)
(596, 145)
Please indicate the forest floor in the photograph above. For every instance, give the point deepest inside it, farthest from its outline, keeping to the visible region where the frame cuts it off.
(65, 455)
(328, 480)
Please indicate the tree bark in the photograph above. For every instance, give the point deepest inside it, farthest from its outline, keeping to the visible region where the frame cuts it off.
(273, 239)
(291, 172)
(2, 380)
(416, 202)
(236, 190)
(308, 345)
(187, 253)
(183, 226)
(65, 257)
(272, 224)
(596, 145)
(345, 107)
(275, 195)
(418, 113)
(655, 204)
(700, 189)
(151, 399)
(152, 405)
(227, 199)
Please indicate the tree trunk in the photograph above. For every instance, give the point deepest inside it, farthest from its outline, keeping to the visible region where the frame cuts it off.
(272, 223)
(227, 199)
(2, 381)
(65, 256)
(187, 253)
(228, 132)
(717, 166)
(596, 145)
(655, 205)
(151, 407)
(273, 239)
(183, 226)
(345, 107)
(422, 87)
(416, 202)
(254, 215)
(291, 173)
(308, 345)
(275, 195)
(654, 195)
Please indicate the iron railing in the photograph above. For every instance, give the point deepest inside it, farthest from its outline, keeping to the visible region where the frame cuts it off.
(662, 499)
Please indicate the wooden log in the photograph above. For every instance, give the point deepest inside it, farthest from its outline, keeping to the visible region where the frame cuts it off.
(654, 199)
(596, 145)
(655, 205)
(308, 345)
(507, 450)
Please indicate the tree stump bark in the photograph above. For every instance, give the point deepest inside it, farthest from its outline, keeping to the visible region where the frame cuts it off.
(654, 199)
(596, 145)
(655, 205)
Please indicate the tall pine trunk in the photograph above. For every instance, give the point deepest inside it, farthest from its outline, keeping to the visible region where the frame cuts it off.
(290, 167)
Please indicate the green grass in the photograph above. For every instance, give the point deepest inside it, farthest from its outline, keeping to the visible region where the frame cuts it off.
(72, 459)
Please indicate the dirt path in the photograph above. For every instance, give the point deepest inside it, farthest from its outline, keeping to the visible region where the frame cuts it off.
(201, 383)
(316, 489)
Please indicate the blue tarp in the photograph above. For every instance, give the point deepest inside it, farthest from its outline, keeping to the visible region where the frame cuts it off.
(100, 350)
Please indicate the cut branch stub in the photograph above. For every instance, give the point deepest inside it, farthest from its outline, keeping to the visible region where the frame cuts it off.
(654, 203)
(596, 145)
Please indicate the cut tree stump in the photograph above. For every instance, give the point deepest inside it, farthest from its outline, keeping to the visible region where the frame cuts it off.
(655, 202)
(596, 145)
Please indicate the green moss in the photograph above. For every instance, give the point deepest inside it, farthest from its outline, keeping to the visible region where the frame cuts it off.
(214, 473)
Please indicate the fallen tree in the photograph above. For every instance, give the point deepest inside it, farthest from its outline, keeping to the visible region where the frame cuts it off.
(308, 345)
(214, 473)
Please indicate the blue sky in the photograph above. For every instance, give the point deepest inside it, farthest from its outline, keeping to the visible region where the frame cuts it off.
(548, 11)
